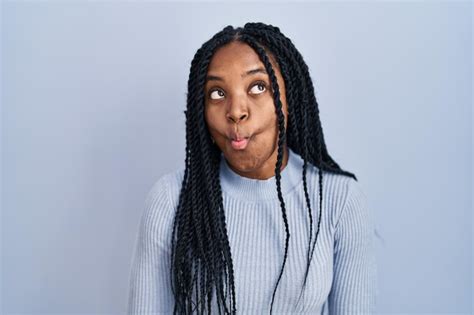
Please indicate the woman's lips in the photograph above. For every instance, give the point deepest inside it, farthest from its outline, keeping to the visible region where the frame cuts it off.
(241, 144)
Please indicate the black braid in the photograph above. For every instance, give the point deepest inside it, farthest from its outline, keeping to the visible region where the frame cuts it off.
(285, 51)
(281, 141)
(294, 78)
(201, 260)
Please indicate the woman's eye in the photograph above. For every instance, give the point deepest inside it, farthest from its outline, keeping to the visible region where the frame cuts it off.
(216, 94)
(258, 88)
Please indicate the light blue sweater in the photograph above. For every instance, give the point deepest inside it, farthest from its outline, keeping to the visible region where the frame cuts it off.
(343, 273)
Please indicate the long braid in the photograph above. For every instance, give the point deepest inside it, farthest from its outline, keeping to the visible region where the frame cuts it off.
(285, 50)
(212, 175)
(198, 210)
(292, 77)
(182, 234)
(205, 151)
(281, 141)
(201, 250)
(296, 106)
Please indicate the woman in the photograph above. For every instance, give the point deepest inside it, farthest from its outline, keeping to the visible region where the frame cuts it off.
(235, 230)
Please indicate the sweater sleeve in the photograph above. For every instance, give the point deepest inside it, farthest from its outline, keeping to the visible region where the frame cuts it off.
(149, 283)
(354, 287)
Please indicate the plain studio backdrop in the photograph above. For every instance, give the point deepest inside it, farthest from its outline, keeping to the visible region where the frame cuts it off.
(93, 100)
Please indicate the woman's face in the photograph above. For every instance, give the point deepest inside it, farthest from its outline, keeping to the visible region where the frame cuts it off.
(239, 105)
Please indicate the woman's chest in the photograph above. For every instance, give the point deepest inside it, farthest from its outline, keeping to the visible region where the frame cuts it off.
(257, 235)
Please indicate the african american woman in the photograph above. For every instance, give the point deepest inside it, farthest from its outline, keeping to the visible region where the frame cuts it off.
(260, 219)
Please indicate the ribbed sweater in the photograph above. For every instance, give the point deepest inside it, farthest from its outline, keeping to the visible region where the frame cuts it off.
(343, 272)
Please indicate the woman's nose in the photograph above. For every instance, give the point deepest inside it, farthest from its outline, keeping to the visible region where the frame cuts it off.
(236, 118)
(237, 110)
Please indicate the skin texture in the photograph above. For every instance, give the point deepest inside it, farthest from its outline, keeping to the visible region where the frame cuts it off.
(242, 105)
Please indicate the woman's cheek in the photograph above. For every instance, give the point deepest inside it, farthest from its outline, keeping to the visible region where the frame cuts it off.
(212, 119)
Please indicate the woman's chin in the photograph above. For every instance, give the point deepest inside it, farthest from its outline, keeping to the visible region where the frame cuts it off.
(239, 162)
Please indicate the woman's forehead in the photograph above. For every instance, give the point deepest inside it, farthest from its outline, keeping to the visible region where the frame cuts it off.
(234, 54)
(240, 57)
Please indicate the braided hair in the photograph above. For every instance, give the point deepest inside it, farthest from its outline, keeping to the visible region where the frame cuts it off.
(201, 260)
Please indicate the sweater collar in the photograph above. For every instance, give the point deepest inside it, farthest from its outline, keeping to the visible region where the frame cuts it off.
(250, 189)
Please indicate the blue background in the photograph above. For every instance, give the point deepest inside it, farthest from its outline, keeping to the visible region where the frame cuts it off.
(93, 94)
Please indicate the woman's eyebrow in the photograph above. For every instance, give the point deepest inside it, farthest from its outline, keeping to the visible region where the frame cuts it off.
(249, 72)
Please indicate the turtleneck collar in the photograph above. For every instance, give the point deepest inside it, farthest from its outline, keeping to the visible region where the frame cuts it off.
(250, 189)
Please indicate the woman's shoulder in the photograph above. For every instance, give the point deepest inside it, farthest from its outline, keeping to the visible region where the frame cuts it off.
(167, 187)
(335, 185)
(161, 202)
(339, 192)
